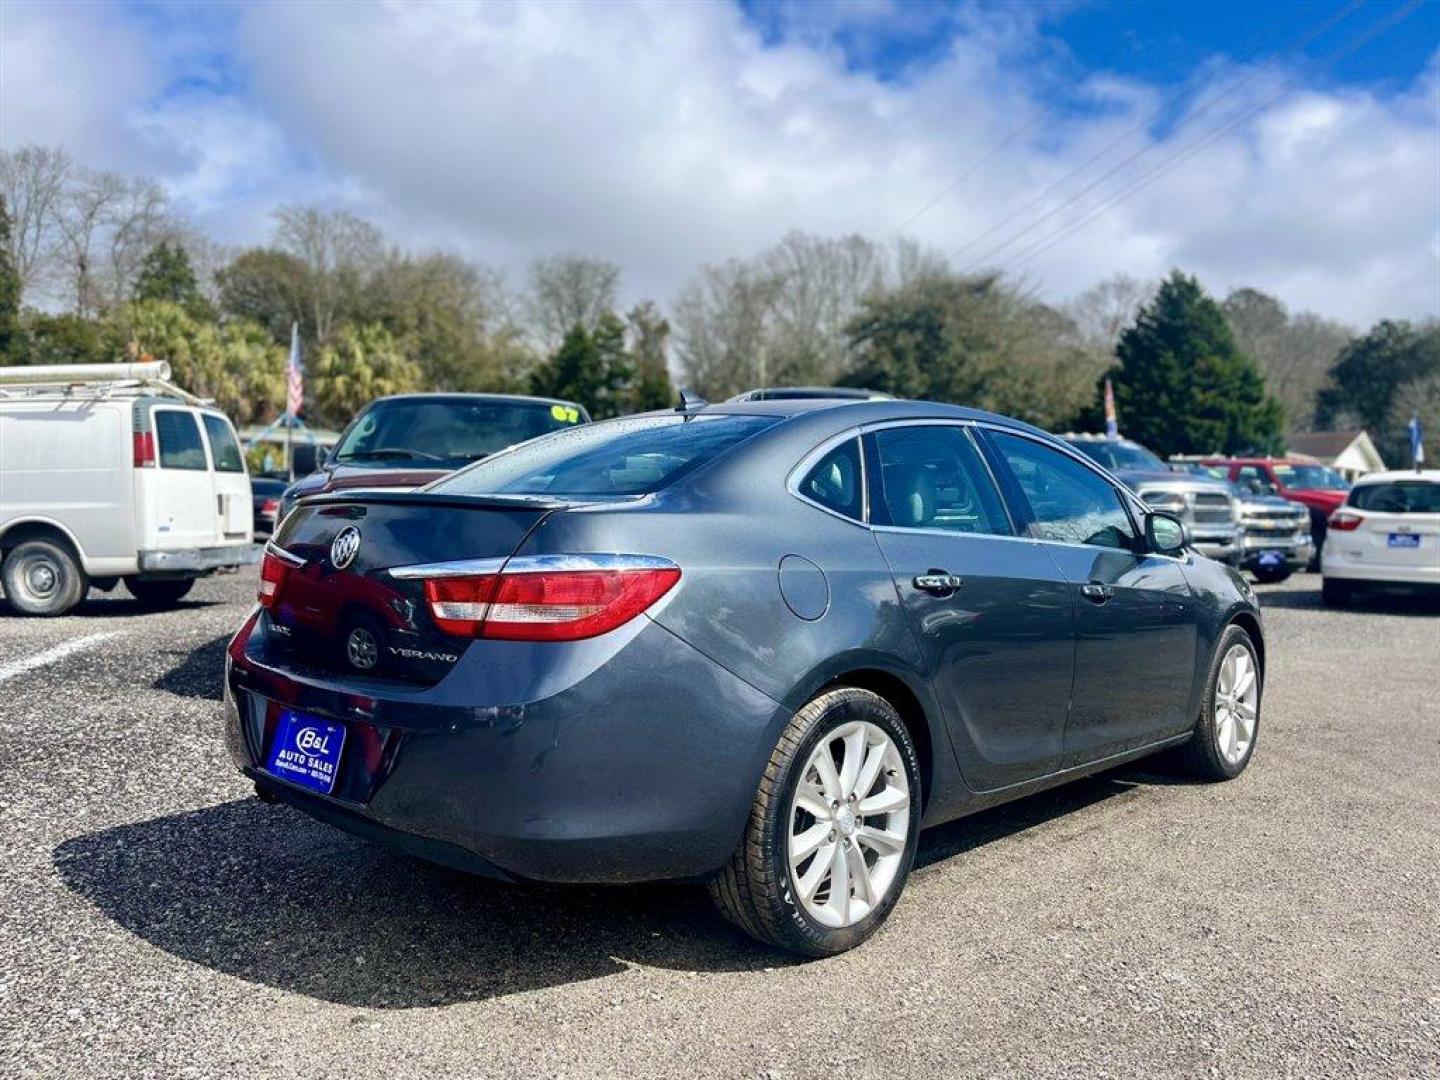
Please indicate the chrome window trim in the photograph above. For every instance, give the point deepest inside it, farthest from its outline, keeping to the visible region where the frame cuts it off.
(531, 564)
(288, 558)
(813, 457)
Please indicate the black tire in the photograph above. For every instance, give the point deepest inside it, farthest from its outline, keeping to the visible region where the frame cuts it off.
(1201, 756)
(159, 594)
(1336, 593)
(754, 890)
(1272, 577)
(43, 577)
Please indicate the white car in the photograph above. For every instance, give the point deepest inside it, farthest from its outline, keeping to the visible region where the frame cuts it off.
(1386, 533)
(108, 472)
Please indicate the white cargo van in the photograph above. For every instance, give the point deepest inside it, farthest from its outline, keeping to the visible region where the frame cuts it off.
(108, 472)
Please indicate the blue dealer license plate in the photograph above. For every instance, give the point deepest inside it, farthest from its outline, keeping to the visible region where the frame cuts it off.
(1405, 540)
(306, 751)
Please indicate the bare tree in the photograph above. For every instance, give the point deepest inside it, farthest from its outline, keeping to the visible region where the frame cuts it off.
(32, 180)
(568, 291)
(720, 328)
(137, 220)
(340, 252)
(85, 209)
(1294, 352)
(1102, 311)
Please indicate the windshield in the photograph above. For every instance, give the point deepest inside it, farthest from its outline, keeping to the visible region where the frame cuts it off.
(1402, 497)
(448, 432)
(632, 456)
(1119, 455)
(1320, 477)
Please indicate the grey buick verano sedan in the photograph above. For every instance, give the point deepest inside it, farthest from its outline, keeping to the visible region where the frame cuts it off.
(759, 644)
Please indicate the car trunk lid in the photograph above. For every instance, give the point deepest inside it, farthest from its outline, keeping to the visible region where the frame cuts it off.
(337, 608)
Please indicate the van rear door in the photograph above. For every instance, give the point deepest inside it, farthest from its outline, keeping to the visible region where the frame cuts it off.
(230, 484)
(179, 500)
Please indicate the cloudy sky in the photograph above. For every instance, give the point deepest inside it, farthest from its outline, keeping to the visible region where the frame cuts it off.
(1289, 146)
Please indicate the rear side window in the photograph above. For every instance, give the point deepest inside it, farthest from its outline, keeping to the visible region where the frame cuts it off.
(836, 482)
(932, 477)
(631, 456)
(223, 448)
(179, 439)
(1071, 503)
(1402, 497)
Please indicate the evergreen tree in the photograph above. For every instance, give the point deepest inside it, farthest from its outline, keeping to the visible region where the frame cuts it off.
(1184, 387)
(166, 274)
(590, 367)
(10, 332)
(649, 333)
(1371, 373)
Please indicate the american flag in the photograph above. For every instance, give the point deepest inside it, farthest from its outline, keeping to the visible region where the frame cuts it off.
(294, 379)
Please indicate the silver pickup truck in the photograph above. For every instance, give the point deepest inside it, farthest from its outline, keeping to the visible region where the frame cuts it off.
(1209, 507)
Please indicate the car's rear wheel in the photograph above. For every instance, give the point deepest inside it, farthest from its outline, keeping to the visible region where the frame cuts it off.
(159, 594)
(1335, 593)
(1272, 576)
(832, 833)
(43, 577)
(1224, 737)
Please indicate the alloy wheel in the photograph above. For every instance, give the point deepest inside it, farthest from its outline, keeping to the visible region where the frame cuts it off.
(849, 822)
(1237, 703)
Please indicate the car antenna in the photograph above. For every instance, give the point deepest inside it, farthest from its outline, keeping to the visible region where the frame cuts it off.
(689, 401)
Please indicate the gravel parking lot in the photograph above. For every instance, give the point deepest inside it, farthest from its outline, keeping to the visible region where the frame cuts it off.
(157, 920)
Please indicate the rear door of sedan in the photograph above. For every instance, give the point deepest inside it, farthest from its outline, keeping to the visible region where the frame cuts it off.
(990, 609)
(1135, 615)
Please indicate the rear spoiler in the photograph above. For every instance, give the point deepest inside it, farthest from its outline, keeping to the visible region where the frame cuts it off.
(390, 496)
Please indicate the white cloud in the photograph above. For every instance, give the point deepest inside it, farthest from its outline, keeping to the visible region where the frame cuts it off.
(664, 136)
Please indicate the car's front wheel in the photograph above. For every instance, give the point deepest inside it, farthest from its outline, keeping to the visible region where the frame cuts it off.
(833, 829)
(1224, 737)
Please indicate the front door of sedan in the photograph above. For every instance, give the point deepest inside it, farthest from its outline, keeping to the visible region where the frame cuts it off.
(990, 609)
(1135, 615)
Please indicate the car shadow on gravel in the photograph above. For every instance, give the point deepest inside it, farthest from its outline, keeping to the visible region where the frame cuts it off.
(266, 894)
(200, 673)
(1377, 602)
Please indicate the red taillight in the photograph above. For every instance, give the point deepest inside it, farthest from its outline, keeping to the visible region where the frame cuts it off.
(547, 605)
(1345, 521)
(143, 443)
(270, 506)
(273, 573)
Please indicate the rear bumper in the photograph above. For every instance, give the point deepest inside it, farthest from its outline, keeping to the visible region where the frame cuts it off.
(1420, 577)
(198, 560)
(632, 757)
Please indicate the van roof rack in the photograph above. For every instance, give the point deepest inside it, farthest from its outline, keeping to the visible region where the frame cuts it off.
(94, 381)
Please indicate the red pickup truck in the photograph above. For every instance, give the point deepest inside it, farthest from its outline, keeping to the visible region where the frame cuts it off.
(1318, 487)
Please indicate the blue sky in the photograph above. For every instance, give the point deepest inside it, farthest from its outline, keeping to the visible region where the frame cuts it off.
(1074, 139)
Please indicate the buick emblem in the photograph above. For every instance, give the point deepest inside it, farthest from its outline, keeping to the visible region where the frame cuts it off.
(345, 546)
(362, 649)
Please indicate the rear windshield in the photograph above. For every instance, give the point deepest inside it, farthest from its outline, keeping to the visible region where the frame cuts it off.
(633, 456)
(1402, 497)
(180, 446)
(447, 432)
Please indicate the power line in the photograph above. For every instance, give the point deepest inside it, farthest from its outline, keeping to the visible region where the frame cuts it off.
(1384, 26)
(985, 158)
(1294, 45)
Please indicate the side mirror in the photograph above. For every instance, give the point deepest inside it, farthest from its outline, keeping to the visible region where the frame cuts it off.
(1165, 534)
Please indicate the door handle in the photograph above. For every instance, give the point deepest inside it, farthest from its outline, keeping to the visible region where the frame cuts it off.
(1096, 593)
(938, 582)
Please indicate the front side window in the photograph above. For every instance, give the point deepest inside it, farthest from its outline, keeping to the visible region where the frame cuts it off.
(836, 483)
(932, 477)
(1254, 480)
(223, 448)
(631, 456)
(179, 440)
(1070, 503)
(1401, 497)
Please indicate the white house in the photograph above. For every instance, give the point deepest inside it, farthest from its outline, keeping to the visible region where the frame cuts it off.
(1350, 453)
